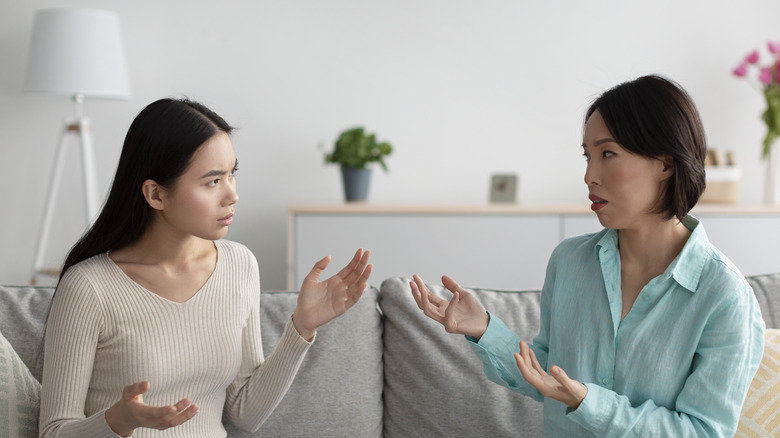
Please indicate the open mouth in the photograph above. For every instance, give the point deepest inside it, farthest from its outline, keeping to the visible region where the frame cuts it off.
(596, 202)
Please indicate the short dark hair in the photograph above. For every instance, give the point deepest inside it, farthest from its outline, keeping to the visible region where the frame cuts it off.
(159, 145)
(655, 117)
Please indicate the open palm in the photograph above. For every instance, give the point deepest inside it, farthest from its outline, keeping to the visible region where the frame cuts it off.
(463, 314)
(322, 301)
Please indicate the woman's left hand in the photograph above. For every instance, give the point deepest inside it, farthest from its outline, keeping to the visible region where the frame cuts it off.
(557, 386)
(322, 301)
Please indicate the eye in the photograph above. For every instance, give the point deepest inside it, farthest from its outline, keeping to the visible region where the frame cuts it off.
(213, 182)
(607, 154)
(586, 156)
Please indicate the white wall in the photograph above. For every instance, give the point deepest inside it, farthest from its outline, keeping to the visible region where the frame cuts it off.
(462, 89)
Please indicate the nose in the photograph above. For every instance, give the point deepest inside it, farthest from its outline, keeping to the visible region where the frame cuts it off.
(591, 175)
(231, 196)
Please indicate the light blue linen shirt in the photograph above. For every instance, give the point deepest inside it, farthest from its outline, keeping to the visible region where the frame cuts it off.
(678, 365)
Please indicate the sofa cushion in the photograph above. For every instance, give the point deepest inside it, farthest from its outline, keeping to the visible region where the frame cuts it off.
(19, 395)
(24, 310)
(761, 410)
(767, 290)
(435, 384)
(339, 385)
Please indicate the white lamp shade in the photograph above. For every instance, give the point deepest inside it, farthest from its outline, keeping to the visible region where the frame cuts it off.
(77, 51)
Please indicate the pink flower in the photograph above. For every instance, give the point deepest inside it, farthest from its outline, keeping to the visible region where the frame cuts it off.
(774, 47)
(752, 57)
(765, 76)
(740, 71)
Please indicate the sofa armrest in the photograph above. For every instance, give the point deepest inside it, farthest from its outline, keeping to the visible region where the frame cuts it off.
(24, 310)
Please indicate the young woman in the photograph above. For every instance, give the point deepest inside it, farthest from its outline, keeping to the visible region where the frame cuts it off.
(155, 320)
(646, 328)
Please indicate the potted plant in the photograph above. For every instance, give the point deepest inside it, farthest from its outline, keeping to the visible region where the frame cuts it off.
(353, 150)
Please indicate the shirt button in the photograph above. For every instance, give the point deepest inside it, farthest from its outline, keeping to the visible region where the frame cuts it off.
(606, 381)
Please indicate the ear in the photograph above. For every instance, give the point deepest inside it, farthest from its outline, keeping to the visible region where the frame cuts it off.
(154, 194)
(668, 166)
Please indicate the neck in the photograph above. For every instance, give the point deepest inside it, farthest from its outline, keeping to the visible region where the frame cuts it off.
(158, 247)
(652, 247)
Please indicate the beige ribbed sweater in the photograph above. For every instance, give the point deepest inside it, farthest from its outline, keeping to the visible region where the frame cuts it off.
(105, 332)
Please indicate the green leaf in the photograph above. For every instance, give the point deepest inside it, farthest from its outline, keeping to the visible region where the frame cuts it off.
(355, 148)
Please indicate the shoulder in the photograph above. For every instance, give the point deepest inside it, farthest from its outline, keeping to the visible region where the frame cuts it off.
(82, 285)
(237, 260)
(720, 276)
(87, 273)
(582, 245)
(234, 252)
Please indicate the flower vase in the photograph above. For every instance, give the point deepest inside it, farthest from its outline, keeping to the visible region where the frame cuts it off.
(772, 175)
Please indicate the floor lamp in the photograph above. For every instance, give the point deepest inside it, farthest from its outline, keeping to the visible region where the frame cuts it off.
(76, 53)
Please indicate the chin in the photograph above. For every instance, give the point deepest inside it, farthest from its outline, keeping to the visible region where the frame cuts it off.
(605, 221)
(215, 235)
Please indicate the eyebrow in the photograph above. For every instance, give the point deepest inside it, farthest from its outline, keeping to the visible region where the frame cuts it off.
(601, 141)
(215, 172)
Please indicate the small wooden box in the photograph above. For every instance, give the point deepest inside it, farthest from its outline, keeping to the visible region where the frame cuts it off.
(722, 185)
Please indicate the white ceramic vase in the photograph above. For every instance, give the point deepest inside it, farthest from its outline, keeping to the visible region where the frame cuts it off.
(772, 175)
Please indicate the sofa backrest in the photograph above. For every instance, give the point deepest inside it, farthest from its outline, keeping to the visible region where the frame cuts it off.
(383, 369)
(434, 383)
(767, 290)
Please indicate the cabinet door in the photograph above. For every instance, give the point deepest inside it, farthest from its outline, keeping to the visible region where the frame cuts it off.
(751, 242)
(489, 251)
(578, 224)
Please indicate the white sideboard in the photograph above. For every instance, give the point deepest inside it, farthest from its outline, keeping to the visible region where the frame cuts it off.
(493, 246)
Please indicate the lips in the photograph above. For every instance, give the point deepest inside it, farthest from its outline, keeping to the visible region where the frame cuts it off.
(227, 220)
(597, 203)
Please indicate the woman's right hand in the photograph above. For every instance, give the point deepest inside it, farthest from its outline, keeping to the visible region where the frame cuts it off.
(463, 314)
(131, 412)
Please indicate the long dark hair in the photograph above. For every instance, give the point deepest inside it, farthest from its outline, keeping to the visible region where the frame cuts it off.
(159, 146)
(654, 116)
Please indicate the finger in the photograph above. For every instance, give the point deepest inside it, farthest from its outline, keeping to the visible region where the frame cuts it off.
(415, 293)
(561, 377)
(352, 265)
(525, 371)
(357, 273)
(449, 323)
(356, 291)
(418, 287)
(425, 296)
(451, 284)
(165, 417)
(525, 365)
(182, 404)
(363, 282)
(185, 415)
(432, 298)
(535, 362)
(576, 388)
(134, 390)
(318, 269)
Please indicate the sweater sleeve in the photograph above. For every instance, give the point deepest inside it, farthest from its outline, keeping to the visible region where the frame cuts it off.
(72, 331)
(262, 383)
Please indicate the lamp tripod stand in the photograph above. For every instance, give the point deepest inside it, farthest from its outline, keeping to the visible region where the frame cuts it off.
(78, 128)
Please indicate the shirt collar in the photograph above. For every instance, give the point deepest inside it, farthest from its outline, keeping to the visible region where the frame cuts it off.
(686, 268)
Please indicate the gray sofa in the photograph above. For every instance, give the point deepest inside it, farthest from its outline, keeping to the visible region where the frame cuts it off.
(383, 369)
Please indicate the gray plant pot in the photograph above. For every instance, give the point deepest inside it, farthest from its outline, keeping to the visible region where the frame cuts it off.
(356, 183)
